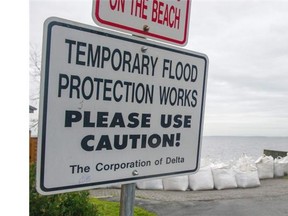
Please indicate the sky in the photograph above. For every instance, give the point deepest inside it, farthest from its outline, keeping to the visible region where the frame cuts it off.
(246, 42)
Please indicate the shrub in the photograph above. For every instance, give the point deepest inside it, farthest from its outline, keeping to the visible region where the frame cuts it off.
(68, 204)
(107, 208)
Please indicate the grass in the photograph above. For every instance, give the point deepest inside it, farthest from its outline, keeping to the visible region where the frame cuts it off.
(108, 208)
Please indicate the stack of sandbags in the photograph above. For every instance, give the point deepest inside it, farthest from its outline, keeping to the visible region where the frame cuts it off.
(246, 173)
(223, 176)
(203, 178)
(155, 184)
(178, 183)
(265, 167)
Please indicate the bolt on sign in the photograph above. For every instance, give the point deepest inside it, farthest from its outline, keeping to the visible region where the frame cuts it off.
(116, 108)
(162, 20)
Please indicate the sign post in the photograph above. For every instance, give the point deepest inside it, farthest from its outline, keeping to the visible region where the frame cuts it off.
(116, 108)
(127, 199)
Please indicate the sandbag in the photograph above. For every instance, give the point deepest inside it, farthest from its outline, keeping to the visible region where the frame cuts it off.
(116, 186)
(155, 184)
(265, 167)
(247, 179)
(223, 176)
(279, 167)
(246, 173)
(285, 161)
(179, 183)
(202, 180)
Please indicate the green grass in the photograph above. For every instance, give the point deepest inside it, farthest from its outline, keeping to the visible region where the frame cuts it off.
(107, 208)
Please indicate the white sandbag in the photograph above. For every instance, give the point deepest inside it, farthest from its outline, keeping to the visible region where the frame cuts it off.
(224, 177)
(247, 179)
(116, 186)
(285, 161)
(265, 167)
(245, 163)
(179, 183)
(246, 173)
(202, 180)
(279, 167)
(155, 184)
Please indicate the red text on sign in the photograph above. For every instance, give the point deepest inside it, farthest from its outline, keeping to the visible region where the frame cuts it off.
(165, 14)
(117, 5)
(138, 8)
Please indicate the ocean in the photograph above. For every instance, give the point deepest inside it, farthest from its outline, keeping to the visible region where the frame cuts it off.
(226, 148)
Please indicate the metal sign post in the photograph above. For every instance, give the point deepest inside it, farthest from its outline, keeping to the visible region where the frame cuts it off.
(127, 199)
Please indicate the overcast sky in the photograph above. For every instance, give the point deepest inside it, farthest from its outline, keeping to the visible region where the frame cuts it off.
(247, 45)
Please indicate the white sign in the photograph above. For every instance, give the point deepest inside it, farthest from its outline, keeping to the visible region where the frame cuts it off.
(116, 108)
(162, 20)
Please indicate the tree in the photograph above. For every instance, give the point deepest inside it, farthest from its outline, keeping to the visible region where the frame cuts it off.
(34, 87)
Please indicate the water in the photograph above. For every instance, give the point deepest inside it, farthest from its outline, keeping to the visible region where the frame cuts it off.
(225, 148)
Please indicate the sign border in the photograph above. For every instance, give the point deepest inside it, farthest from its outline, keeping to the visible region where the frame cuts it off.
(47, 37)
(105, 23)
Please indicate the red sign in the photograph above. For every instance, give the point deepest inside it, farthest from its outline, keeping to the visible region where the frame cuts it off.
(162, 20)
